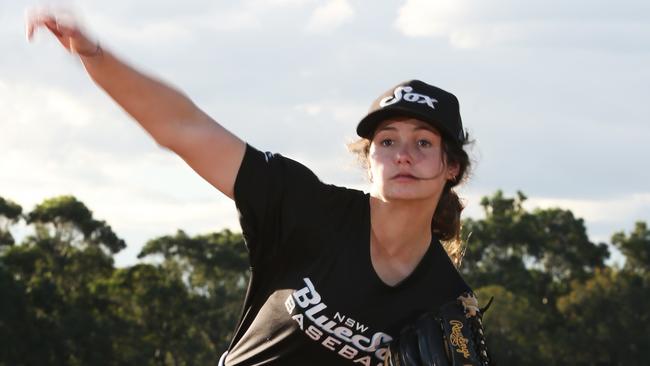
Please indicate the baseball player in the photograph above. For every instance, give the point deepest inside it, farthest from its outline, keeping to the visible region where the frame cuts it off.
(337, 274)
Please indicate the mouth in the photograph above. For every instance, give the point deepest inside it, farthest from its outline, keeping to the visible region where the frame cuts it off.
(404, 177)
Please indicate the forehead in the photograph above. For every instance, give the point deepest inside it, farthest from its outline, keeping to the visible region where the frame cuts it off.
(405, 123)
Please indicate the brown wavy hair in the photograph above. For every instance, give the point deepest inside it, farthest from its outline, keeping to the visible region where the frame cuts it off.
(446, 223)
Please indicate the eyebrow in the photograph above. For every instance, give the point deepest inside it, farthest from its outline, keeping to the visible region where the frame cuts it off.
(427, 128)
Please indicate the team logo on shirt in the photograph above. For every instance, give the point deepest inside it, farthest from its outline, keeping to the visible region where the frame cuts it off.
(340, 334)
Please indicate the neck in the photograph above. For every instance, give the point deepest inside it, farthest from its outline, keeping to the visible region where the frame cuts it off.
(400, 228)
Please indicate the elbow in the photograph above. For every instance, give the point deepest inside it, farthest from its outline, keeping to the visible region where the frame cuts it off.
(179, 135)
(164, 140)
(163, 145)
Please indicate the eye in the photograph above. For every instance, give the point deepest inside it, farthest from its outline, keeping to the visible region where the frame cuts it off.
(386, 142)
(424, 143)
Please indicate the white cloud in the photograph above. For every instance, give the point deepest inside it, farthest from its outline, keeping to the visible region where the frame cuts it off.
(158, 31)
(482, 23)
(465, 23)
(163, 32)
(240, 19)
(428, 18)
(61, 135)
(311, 109)
(337, 111)
(31, 112)
(41, 121)
(170, 22)
(137, 206)
(627, 209)
(56, 143)
(143, 196)
(330, 16)
(623, 210)
(285, 3)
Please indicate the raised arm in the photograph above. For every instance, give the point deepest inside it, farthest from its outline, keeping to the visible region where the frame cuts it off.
(169, 116)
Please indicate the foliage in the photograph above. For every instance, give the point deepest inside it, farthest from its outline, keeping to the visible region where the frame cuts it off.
(606, 319)
(10, 213)
(215, 269)
(512, 328)
(63, 302)
(635, 247)
(540, 263)
(70, 222)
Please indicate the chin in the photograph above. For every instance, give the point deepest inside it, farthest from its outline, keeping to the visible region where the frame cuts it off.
(398, 191)
(406, 195)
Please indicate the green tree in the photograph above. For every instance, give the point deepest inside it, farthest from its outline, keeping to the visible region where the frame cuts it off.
(606, 322)
(10, 214)
(216, 269)
(70, 223)
(512, 328)
(52, 274)
(635, 247)
(532, 257)
(157, 317)
(62, 302)
(528, 251)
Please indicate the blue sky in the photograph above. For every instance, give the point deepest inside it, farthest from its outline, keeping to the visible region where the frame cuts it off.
(554, 93)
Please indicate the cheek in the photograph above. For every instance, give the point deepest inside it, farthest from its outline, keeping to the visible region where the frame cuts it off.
(431, 168)
(381, 155)
(432, 158)
(377, 161)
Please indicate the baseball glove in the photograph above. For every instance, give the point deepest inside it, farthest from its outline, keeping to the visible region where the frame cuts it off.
(451, 337)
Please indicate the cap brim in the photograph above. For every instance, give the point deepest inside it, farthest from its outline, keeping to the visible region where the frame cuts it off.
(367, 126)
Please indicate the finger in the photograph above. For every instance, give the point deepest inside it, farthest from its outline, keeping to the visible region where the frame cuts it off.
(51, 25)
(54, 28)
(35, 21)
(72, 32)
(30, 19)
(29, 31)
(33, 26)
(67, 30)
(32, 22)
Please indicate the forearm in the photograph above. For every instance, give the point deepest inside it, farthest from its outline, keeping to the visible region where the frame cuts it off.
(159, 108)
(165, 113)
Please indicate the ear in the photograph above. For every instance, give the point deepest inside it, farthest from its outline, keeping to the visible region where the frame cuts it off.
(453, 171)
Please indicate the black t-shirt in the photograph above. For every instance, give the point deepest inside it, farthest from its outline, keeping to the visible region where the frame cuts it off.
(314, 296)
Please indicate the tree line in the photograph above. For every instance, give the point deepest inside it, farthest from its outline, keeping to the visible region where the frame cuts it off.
(63, 301)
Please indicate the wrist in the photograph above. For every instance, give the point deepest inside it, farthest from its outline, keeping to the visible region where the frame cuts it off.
(98, 51)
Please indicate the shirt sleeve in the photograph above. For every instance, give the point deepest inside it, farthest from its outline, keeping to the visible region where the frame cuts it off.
(274, 196)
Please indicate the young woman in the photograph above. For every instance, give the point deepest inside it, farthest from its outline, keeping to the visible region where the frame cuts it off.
(336, 273)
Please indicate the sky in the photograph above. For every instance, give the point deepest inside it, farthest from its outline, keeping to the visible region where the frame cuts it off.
(554, 93)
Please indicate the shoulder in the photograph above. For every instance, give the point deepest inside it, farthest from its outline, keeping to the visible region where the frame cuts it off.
(444, 274)
(272, 167)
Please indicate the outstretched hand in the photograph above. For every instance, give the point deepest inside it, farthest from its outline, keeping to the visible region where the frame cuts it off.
(66, 31)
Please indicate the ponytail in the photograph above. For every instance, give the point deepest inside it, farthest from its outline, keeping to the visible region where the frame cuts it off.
(446, 223)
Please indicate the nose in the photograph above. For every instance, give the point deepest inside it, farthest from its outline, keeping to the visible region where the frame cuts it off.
(404, 155)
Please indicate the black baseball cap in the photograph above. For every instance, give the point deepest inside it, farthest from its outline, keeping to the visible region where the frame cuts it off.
(416, 99)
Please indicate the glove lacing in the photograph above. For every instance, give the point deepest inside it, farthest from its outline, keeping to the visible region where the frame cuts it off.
(475, 315)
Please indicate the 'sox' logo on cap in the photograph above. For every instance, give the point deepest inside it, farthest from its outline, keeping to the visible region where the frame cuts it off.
(408, 96)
